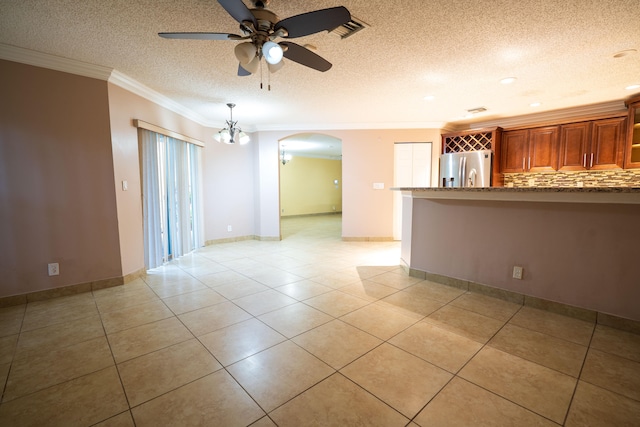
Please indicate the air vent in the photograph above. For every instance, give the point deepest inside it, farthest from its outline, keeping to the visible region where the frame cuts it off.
(477, 110)
(350, 28)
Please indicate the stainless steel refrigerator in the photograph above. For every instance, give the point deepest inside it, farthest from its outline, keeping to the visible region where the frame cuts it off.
(466, 169)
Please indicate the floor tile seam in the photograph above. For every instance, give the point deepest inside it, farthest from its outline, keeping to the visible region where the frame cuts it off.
(164, 347)
(425, 360)
(271, 310)
(144, 323)
(372, 394)
(483, 345)
(57, 385)
(413, 419)
(536, 362)
(199, 308)
(13, 358)
(107, 333)
(617, 393)
(511, 401)
(309, 330)
(477, 312)
(246, 357)
(551, 335)
(84, 316)
(288, 400)
(131, 408)
(577, 380)
(329, 314)
(544, 334)
(57, 310)
(37, 352)
(150, 301)
(610, 353)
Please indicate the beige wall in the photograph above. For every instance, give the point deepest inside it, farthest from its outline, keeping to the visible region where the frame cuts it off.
(57, 198)
(227, 175)
(124, 107)
(307, 186)
(66, 144)
(579, 254)
(367, 158)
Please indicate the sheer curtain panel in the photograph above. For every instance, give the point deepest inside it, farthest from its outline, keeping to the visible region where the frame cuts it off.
(171, 197)
(151, 200)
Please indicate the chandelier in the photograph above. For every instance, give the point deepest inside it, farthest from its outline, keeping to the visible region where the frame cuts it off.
(284, 157)
(231, 133)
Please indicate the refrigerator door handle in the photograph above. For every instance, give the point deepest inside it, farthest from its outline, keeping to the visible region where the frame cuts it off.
(461, 172)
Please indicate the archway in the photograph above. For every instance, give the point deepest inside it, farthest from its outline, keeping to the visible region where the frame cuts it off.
(310, 176)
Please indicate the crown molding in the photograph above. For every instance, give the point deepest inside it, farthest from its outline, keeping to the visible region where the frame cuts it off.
(349, 126)
(577, 113)
(53, 62)
(127, 83)
(72, 66)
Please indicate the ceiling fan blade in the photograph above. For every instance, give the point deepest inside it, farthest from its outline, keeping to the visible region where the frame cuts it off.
(238, 10)
(242, 72)
(304, 56)
(201, 36)
(314, 22)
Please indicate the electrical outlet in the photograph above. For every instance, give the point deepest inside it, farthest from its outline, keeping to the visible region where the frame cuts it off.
(229, 228)
(53, 269)
(517, 272)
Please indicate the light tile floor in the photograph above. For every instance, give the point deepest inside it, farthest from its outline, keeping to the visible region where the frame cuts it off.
(310, 330)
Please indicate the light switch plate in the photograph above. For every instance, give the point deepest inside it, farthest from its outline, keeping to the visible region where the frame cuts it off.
(378, 185)
(517, 272)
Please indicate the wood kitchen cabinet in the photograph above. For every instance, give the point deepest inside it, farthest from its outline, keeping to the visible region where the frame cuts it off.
(592, 145)
(632, 151)
(530, 150)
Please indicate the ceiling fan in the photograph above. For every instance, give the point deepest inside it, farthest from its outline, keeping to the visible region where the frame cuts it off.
(261, 27)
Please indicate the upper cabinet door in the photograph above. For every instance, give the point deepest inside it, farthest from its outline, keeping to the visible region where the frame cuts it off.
(514, 149)
(632, 151)
(574, 144)
(543, 149)
(607, 144)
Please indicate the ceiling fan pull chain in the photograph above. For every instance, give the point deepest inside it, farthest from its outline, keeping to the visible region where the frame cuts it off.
(260, 75)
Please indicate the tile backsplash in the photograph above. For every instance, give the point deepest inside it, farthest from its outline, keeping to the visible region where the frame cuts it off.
(605, 178)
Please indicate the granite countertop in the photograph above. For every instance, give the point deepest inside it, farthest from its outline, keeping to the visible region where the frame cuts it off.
(611, 195)
(582, 190)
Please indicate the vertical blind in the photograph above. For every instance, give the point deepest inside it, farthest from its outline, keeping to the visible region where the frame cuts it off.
(171, 197)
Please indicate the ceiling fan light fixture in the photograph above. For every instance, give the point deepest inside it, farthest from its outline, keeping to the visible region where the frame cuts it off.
(275, 67)
(272, 52)
(253, 65)
(245, 52)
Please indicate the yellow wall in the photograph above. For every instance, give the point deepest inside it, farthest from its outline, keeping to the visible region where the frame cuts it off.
(306, 186)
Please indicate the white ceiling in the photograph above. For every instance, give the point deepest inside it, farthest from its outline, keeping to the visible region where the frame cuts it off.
(562, 53)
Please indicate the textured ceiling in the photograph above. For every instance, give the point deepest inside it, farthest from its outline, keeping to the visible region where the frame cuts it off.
(562, 54)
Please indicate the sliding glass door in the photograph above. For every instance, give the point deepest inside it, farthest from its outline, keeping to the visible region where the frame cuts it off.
(171, 197)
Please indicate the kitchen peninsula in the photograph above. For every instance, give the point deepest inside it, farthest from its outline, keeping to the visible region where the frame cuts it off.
(579, 247)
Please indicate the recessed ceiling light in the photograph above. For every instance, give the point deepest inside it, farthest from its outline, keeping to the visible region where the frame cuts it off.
(535, 104)
(624, 53)
(429, 98)
(632, 87)
(508, 80)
